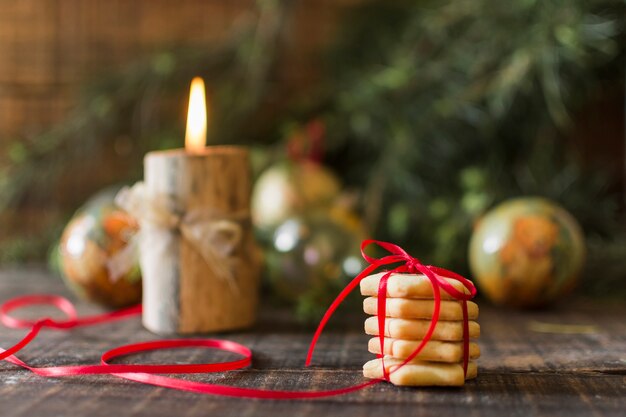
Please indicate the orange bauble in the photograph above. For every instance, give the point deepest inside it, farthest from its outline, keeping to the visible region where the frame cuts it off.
(97, 237)
(526, 252)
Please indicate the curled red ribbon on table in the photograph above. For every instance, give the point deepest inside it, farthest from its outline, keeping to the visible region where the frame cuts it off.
(147, 373)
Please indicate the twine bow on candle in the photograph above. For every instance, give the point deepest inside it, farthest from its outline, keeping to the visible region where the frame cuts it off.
(214, 235)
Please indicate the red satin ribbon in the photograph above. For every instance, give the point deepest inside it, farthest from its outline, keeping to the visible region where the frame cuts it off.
(147, 373)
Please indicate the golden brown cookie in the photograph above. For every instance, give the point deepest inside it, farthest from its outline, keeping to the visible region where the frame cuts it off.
(407, 286)
(416, 329)
(406, 308)
(421, 374)
(434, 350)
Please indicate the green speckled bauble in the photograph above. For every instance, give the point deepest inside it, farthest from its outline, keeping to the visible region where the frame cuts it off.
(313, 254)
(98, 233)
(291, 188)
(526, 252)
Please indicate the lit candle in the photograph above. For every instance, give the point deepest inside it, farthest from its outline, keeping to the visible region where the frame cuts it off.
(198, 261)
(195, 134)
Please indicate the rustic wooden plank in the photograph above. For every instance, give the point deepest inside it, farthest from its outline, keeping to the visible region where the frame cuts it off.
(493, 394)
(522, 372)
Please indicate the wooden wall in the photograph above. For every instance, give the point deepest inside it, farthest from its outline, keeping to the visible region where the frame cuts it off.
(48, 48)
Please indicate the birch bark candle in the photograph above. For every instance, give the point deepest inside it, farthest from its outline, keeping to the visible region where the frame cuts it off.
(197, 254)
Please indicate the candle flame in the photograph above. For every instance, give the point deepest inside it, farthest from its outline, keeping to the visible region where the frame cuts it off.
(195, 136)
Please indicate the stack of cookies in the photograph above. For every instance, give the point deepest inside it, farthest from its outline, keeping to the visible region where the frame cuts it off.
(409, 311)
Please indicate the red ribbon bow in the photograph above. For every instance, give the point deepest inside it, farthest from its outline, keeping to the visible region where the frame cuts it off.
(146, 373)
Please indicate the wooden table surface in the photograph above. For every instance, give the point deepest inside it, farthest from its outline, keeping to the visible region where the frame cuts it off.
(531, 364)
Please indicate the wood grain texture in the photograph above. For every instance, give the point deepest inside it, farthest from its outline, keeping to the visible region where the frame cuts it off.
(184, 293)
(522, 372)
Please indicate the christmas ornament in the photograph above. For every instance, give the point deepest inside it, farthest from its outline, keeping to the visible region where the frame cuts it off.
(311, 257)
(96, 254)
(290, 188)
(526, 252)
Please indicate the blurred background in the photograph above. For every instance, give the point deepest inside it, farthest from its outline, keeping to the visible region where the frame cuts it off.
(407, 121)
